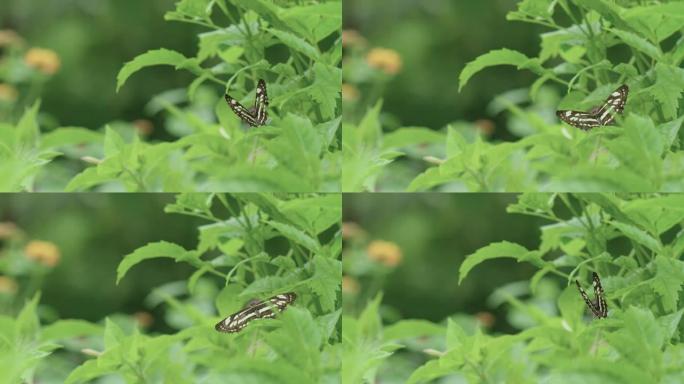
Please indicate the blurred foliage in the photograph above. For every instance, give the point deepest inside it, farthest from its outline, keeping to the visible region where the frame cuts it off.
(588, 48)
(91, 40)
(247, 246)
(295, 47)
(634, 242)
(77, 241)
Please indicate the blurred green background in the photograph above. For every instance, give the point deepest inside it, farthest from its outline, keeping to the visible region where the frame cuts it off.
(435, 39)
(435, 232)
(93, 39)
(93, 232)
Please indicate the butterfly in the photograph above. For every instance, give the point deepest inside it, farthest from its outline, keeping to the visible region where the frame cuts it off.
(598, 307)
(601, 115)
(255, 309)
(256, 116)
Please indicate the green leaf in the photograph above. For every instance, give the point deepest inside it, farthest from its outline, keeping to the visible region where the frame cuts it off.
(150, 58)
(502, 249)
(67, 329)
(638, 235)
(409, 136)
(637, 42)
(27, 130)
(326, 281)
(69, 136)
(153, 251)
(296, 43)
(668, 89)
(296, 235)
(27, 323)
(668, 281)
(325, 90)
(408, 329)
(493, 58)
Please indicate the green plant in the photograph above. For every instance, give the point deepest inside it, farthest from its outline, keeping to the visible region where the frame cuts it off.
(252, 246)
(635, 243)
(295, 47)
(591, 48)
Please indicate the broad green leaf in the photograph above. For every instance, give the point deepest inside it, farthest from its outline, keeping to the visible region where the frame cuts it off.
(150, 58)
(153, 251)
(638, 235)
(67, 329)
(502, 249)
(296, 235)
(67, 136)
(326, 281)
(493, 58)
(296, 43)
(408, 136)
(668, 281)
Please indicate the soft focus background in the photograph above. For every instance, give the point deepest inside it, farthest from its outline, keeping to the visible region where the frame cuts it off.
(415, 244)
(74, 49)
(434, 39)
(68, 246)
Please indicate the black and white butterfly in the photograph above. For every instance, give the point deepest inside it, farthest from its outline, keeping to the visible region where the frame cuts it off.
(597, 307)
(255, 116)
(600, 115)
(256, 309)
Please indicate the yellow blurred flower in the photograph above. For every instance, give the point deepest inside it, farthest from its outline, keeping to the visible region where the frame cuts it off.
(349, 92)
(351, 230)
(8, 93)
(8, 230)
(8, 285)
(43, 252)
(44, 60)
(385, 252)
(387, 60)
(9, 37)
(352, 38)
(350, 285)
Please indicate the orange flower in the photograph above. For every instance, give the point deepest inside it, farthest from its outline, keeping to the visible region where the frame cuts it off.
(384, 252)
(44, 60)
(387, 60)
(43, 252)
(8, 285)
(485, 318)
(350, 92)
(8, 93)
(352, 38)
(8, 230)
(143, 318)
(485, 126)
(350, 285)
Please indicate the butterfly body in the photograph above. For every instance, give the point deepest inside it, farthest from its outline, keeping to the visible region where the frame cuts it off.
(598, 307)
(255, 309)
(600, 115)
(257, 115)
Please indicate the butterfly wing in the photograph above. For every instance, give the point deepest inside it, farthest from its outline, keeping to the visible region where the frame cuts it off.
(261, 103)
(242, 112)
(603, 115)
(255, 310)
(581, 120)
(614, 104)
(601, 307)
(589, 303)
